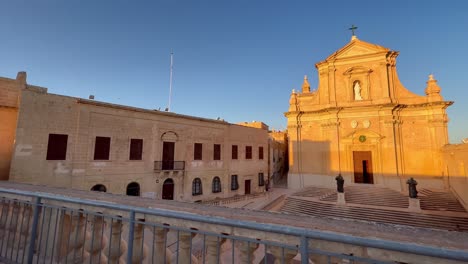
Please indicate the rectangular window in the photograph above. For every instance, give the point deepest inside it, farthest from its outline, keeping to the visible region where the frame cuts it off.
(234, 152)
(261, 180)
(198, 151)
(57, 147)
(217, 152)
(248, 152)
(102, 148)
(260, 153)
(234, 183)
(136, 149)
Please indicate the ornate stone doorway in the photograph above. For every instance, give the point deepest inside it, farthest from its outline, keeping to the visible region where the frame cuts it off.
(363, 167)
(168, 190)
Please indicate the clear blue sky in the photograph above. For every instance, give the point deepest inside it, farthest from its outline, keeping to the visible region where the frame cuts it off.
(237, 60)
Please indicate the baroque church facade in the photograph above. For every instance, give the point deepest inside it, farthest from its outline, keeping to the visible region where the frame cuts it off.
(362, 123)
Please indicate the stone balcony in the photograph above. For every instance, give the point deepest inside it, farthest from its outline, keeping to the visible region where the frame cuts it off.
(48, 225)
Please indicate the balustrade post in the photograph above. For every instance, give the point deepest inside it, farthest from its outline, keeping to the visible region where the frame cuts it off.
(13, 227)
(246, 249)
(76, 240)
(49, 226)
(185, 240)
(140, 250)
(159, 246)
(97, 241)
(282, 255)
(4, 217)
(25, 227)
(213, 248)
(35, 222)
(117, 246)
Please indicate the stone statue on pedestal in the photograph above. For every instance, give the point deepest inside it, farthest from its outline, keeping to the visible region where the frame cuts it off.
(413, 193)
(339, 183)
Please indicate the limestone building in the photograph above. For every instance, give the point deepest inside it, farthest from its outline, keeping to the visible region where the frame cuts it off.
(363, 123)
(277, 152)
(62, 141)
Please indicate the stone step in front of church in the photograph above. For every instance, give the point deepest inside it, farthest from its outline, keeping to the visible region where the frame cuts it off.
(434, 200)
(316, 208)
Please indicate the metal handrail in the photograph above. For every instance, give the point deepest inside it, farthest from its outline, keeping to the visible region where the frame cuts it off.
(303, 233)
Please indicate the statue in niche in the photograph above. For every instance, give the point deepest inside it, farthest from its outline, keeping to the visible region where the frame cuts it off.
(357, 91)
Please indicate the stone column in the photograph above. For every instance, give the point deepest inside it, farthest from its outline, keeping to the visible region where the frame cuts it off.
(214, 243)
(117, 246)
(185, 240)
(97, 241)
(282, 255)
(246, 251)
(140, 250)
(159, 246)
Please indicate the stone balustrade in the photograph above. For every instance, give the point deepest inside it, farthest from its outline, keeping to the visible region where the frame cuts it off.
(80, 227)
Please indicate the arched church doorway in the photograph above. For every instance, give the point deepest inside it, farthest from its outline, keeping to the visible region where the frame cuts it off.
(99, 188)
(133, 189)
(168, 189)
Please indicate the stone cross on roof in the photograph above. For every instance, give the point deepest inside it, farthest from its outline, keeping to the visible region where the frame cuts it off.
(352, 28)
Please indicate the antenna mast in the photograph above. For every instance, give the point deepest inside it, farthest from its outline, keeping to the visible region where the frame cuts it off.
(170, 81)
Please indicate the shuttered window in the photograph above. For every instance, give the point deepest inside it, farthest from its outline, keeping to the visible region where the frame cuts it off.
(234, 152)
(198, 151)
(217, 152)
(248, 152)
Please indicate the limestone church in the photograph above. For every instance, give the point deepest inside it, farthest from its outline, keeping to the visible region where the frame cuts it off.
(363, 123)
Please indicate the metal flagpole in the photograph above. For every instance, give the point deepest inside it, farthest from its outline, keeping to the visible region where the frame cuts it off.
(170, 81)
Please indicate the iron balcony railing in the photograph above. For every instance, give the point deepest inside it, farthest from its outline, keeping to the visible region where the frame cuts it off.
(40, 227)
(169, 165)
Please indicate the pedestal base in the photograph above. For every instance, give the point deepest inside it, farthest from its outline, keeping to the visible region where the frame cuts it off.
(414, 205)
(341, 199)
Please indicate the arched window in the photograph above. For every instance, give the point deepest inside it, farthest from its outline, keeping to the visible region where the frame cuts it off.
(216, 185)
(133, 189)
(99, 188)
(197, 187)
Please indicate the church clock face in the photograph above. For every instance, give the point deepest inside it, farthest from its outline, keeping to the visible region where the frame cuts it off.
(362, 138)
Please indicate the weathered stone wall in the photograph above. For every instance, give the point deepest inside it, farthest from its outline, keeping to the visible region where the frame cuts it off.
(10, 90)
(455, 157)
(83, 120)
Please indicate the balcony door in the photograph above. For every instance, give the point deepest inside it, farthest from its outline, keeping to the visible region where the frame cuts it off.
(168, 155)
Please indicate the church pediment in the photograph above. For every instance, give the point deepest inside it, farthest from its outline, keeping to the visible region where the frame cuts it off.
(357, 48)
